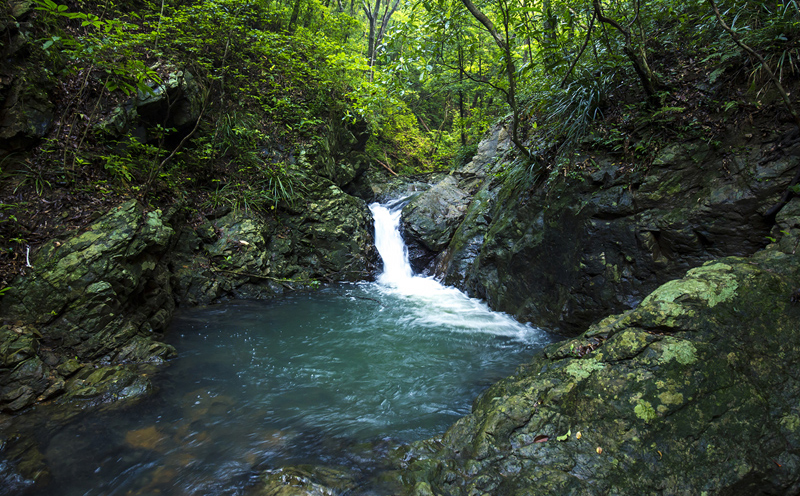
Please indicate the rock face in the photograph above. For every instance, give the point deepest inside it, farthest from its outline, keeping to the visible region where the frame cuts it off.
(692, 392)
(599, 243)
(447, 214)
(430, 220)
(326, 237)
(101, 297)
(26, 110)
(104, 297)
(83, 329)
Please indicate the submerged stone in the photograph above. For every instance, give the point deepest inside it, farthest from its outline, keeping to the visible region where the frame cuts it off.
(306, 480)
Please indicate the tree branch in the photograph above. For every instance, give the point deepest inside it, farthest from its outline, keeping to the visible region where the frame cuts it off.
(580, 53)
(611, 22)
(488, 24)
(472, 78)
(775, 80)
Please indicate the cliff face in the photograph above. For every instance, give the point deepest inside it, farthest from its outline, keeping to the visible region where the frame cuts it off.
(692, 392)
(599, 242)
(688, 387)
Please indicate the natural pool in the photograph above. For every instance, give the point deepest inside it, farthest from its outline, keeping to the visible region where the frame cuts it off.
(326, 377)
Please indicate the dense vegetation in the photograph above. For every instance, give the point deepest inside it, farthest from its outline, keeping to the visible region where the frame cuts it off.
(268, 80)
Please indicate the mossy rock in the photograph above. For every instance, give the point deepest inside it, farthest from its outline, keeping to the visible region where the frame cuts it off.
(690, 393)
(306, 480)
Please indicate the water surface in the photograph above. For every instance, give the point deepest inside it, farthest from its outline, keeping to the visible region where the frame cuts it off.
(325, 377)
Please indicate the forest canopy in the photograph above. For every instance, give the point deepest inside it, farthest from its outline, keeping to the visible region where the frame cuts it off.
(270, 78)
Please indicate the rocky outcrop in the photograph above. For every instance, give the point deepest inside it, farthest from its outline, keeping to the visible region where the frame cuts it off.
(305, 480)
(692, 392)
(102, 297)
(430, 220)
(564, 256)
(325, 237)
(95, 306)
(433, 217)
(339, 154)
(176, 103)
(83, 329)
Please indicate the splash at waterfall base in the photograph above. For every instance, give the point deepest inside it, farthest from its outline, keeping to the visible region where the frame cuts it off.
(311, 376)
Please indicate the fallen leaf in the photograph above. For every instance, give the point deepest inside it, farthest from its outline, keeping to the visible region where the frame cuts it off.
(599, 450)
(541, 438)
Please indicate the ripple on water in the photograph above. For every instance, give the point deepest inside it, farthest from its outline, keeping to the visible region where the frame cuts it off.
(308, 378)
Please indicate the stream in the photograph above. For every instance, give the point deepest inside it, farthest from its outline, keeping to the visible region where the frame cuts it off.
(331, 377)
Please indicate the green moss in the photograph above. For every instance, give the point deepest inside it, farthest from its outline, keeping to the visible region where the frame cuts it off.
(626, 344)
(644, 410)
(683, 352)
(711, 284)
(671, 398)
(581, 369)
(791, 423)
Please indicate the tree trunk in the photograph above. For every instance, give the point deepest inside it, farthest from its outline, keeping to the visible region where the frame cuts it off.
(376, 30)
(638, 58)
(295, 15)
(503, 43)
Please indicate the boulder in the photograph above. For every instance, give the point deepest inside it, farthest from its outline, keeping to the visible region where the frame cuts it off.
(692, 392)
(433, 216)
(26, 116)
(305, 480)
(325, 237)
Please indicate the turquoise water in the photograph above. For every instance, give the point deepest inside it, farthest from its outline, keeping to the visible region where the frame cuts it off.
(313, 378)
(333, 377)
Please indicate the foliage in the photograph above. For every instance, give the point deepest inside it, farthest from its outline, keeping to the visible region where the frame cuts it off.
(574, 65)
(268, 93)
(432, 77)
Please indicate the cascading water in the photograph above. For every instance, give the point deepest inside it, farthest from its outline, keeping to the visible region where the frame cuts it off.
(305, 378)
(437, 304)
(390, 245)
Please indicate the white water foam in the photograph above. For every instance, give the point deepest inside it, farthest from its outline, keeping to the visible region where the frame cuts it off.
(436, 304)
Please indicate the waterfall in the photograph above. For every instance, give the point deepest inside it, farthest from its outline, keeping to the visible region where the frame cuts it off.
(433, 303)
(390, 245)
(397, 273)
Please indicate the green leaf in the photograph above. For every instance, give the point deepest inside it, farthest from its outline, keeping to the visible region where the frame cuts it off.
(565, 436)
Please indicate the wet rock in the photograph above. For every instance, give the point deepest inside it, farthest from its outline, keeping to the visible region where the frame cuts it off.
(326, 237)
(565, 255)
(306, 480)
(433, 216)
(378, 186)
(149, 438)
(104, 385)
(102, 295)
(689, 393)
(23, 374)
